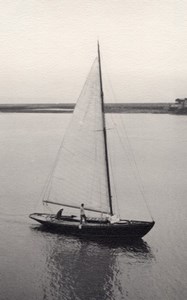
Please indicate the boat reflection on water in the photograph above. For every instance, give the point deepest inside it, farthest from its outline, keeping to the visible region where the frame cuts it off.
(78, 268)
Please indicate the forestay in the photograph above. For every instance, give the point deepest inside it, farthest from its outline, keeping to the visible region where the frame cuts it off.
(79, 174)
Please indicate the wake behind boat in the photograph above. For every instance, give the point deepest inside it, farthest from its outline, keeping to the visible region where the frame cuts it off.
(82, 172)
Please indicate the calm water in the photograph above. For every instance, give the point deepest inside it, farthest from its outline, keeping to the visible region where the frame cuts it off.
(36, 264)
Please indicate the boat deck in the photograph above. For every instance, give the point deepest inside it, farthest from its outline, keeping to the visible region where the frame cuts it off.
(75, 221)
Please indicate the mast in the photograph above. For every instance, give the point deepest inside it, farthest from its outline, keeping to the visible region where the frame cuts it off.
(104, 131)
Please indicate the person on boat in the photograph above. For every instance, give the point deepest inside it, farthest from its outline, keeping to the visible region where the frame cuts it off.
(82, 213)
(59, 214)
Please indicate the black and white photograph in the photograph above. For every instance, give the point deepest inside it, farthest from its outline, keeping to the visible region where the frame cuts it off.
(93, 149)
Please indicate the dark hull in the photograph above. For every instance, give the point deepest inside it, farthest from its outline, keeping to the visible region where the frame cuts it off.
(123, 229)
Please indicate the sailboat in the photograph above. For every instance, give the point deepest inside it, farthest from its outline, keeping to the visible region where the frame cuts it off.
(82, 173)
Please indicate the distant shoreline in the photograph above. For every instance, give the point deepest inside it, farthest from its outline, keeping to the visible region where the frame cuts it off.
(163, 108)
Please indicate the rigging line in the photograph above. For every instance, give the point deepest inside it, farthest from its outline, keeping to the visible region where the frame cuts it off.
(138, 178)
(48, 207)
(52, 170)
(111, 166)
(104, 130)
(141, 187)
(115, 192)
(109, 83)
(42, 192)
(48, 180)
(96, 157)
(112, 173)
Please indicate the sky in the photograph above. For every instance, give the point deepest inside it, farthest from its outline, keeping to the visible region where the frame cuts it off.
(47, 48)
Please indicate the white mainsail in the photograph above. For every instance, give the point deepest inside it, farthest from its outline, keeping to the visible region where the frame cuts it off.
(79, 174)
